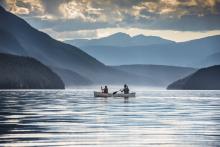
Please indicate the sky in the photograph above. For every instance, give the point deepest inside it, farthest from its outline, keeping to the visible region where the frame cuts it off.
(178, 20)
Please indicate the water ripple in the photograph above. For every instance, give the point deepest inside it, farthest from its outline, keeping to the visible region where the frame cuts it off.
(76, 118)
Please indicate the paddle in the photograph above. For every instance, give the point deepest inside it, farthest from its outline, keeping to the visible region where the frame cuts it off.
(116, 92)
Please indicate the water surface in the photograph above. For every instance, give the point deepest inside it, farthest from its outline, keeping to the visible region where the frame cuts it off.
(75, 118)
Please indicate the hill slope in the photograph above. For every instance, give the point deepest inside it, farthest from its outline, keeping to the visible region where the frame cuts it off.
(9, 44)
(26, 73)
(53, 53)
(41, 46)
(203, 79)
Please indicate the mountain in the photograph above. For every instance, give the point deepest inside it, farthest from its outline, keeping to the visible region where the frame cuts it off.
(26, 73)
(120, 40)
(8, 41)
(160, 73)
(213, 59)
(187, 54)
(36, 44)
(41, 46)
(72, 64)
(203, 79)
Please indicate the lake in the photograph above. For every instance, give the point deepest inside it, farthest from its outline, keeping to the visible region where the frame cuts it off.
(75, 118)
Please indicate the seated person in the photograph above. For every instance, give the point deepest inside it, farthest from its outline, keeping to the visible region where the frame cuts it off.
(125, 90)
(105, 90)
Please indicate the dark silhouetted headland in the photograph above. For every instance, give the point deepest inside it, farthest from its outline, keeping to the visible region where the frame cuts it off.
(18, 72)
(203, 79)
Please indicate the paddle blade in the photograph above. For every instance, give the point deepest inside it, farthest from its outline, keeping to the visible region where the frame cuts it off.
(115, 92)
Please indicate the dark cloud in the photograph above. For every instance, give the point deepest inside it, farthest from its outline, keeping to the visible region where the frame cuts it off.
(52, 7)
(66, 25)
(64, 15)
(3, 3)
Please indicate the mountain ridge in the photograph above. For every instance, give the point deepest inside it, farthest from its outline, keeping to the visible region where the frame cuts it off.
(187, 54)
(120, 39)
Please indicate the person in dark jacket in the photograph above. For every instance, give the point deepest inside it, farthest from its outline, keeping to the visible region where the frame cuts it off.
(126, 89)
(105, 90)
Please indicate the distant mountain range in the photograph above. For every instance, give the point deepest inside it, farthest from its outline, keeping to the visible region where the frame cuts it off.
(26, 73)
(203, 79)
(74, 66)
(120, 40)
(150, 50)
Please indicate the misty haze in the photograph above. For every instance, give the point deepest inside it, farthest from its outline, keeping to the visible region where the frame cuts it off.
(110, 73)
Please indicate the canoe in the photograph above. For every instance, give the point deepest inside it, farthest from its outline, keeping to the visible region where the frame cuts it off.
(125, 95)
(100, 94)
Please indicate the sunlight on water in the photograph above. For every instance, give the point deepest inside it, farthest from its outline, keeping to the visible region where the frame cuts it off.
(76, 118)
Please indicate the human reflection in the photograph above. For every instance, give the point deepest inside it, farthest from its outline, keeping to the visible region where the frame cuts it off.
(126, 100)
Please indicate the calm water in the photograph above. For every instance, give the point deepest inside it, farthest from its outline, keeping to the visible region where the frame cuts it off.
(76, 118)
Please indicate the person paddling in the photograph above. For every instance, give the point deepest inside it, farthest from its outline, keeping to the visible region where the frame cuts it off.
(126, 89)
(105, 90)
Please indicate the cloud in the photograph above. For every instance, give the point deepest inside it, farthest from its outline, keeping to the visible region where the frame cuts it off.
(81, 10)
(69, 35)
(24, 7)
(73, 15)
